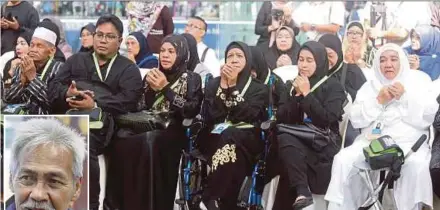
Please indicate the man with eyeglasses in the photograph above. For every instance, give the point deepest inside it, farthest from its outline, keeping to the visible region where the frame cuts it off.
(28, 92)
(197, 27)
(100, 79)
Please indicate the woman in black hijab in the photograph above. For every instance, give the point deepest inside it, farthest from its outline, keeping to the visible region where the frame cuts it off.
(22, 47)
(354, 76)
(316, 100)
(148, 162)
(87, 37)
(235, 105)
(285, 50)
(193, 54)
(261, 72)
(139, 51)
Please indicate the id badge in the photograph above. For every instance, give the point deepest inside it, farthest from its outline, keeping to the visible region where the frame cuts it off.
(219, 128)
(377, 129)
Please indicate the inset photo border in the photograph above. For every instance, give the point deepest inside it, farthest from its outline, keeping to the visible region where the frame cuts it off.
(45, 161)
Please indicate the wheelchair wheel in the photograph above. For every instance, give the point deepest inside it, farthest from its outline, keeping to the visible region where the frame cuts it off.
(191, 181)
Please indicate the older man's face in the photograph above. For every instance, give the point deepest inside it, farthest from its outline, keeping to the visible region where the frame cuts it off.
(45, 179)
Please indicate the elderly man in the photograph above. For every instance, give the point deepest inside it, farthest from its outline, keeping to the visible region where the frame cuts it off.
(35, 71)
(46, 167)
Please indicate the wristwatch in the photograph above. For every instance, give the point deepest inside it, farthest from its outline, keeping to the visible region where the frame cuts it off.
(313, 27)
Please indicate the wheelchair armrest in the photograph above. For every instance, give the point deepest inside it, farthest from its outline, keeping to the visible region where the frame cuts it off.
(268, 125)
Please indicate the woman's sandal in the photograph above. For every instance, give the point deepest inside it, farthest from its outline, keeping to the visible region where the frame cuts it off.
(302, 202)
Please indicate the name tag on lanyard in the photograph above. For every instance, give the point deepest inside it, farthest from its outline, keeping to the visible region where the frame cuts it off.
(98, 69)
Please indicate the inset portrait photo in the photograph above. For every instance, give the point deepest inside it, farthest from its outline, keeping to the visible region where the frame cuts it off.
(45, 162)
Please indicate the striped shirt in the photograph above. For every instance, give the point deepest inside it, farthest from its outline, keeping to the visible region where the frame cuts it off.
(34, 95)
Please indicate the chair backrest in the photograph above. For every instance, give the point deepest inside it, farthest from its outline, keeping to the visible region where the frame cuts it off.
(345, 119)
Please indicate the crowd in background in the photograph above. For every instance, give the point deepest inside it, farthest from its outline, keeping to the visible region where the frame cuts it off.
(373, 56)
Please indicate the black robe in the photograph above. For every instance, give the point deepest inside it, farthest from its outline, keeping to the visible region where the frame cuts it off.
(123, 82)
(354, 77)
(144, 168)
(242, 144)
(299, 165)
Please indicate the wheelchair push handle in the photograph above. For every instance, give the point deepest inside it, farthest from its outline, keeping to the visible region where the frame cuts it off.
(417, 145)
(187, 122)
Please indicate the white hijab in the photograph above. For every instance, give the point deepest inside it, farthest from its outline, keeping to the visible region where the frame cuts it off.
(402, 76)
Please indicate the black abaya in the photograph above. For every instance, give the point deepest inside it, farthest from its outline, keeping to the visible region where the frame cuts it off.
(144, 170)
(304, 167)
(232, 153)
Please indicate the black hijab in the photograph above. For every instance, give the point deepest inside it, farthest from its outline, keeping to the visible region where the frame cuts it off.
(180, 64)
(259, 64)
(333, 42)
(193, 54)
(144, 49)
(27, 36)
(274, 53)
(245, 74)
(320, 54)
(91, 28)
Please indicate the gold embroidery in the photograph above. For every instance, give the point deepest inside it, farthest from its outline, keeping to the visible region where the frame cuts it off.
(224, 155)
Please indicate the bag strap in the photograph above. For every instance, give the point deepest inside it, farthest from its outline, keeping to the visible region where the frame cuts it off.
(204, 54)
(344, 75)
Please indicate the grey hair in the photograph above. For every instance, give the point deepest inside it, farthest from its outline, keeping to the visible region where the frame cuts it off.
(43, 131)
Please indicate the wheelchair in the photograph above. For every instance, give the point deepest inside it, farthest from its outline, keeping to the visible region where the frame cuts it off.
(251, 191)
(193, 167)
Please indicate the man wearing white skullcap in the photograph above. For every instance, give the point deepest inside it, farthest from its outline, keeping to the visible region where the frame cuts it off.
(35, 71)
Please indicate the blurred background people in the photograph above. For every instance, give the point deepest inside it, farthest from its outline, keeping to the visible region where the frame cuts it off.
(16, 15)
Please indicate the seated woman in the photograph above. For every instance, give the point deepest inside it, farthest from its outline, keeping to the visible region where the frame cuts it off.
(354, 77)
(144, 166)
(308, 169)
(139, 52)
(424, 52)
(284, 51)
(21, 49)
(263, 74)
(355, 47)
(235, 105)
(86, 37)
(193, 54)
(393, 105)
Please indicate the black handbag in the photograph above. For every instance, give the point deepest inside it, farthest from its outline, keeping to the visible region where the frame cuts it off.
(312, 136)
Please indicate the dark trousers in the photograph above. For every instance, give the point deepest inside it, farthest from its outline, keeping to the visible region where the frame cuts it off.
(96, 148)
(293, 157)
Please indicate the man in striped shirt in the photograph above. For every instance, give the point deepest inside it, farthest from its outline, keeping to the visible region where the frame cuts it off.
(35, 71)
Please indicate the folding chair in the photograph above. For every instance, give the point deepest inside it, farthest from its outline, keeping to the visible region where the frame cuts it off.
(375, 192)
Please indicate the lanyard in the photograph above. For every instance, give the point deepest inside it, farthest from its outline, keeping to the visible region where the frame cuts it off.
(161, 97)
(314, 86)
(46, 67)
(246, 87)
(109, 67)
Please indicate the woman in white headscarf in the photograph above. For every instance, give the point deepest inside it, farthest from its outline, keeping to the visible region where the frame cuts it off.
(396, 100)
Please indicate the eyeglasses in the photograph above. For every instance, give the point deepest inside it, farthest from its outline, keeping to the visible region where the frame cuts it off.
(193, 26)
(354, 33)
(107, 37)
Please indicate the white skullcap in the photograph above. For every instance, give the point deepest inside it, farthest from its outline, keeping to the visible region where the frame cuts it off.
(45, 34)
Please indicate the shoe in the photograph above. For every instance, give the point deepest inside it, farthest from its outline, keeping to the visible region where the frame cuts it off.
(213, 205)
(302, 203)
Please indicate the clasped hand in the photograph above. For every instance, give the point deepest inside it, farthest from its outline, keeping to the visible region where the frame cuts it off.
(156, 79)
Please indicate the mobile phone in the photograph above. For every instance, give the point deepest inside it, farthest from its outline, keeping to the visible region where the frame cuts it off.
(77, 98)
